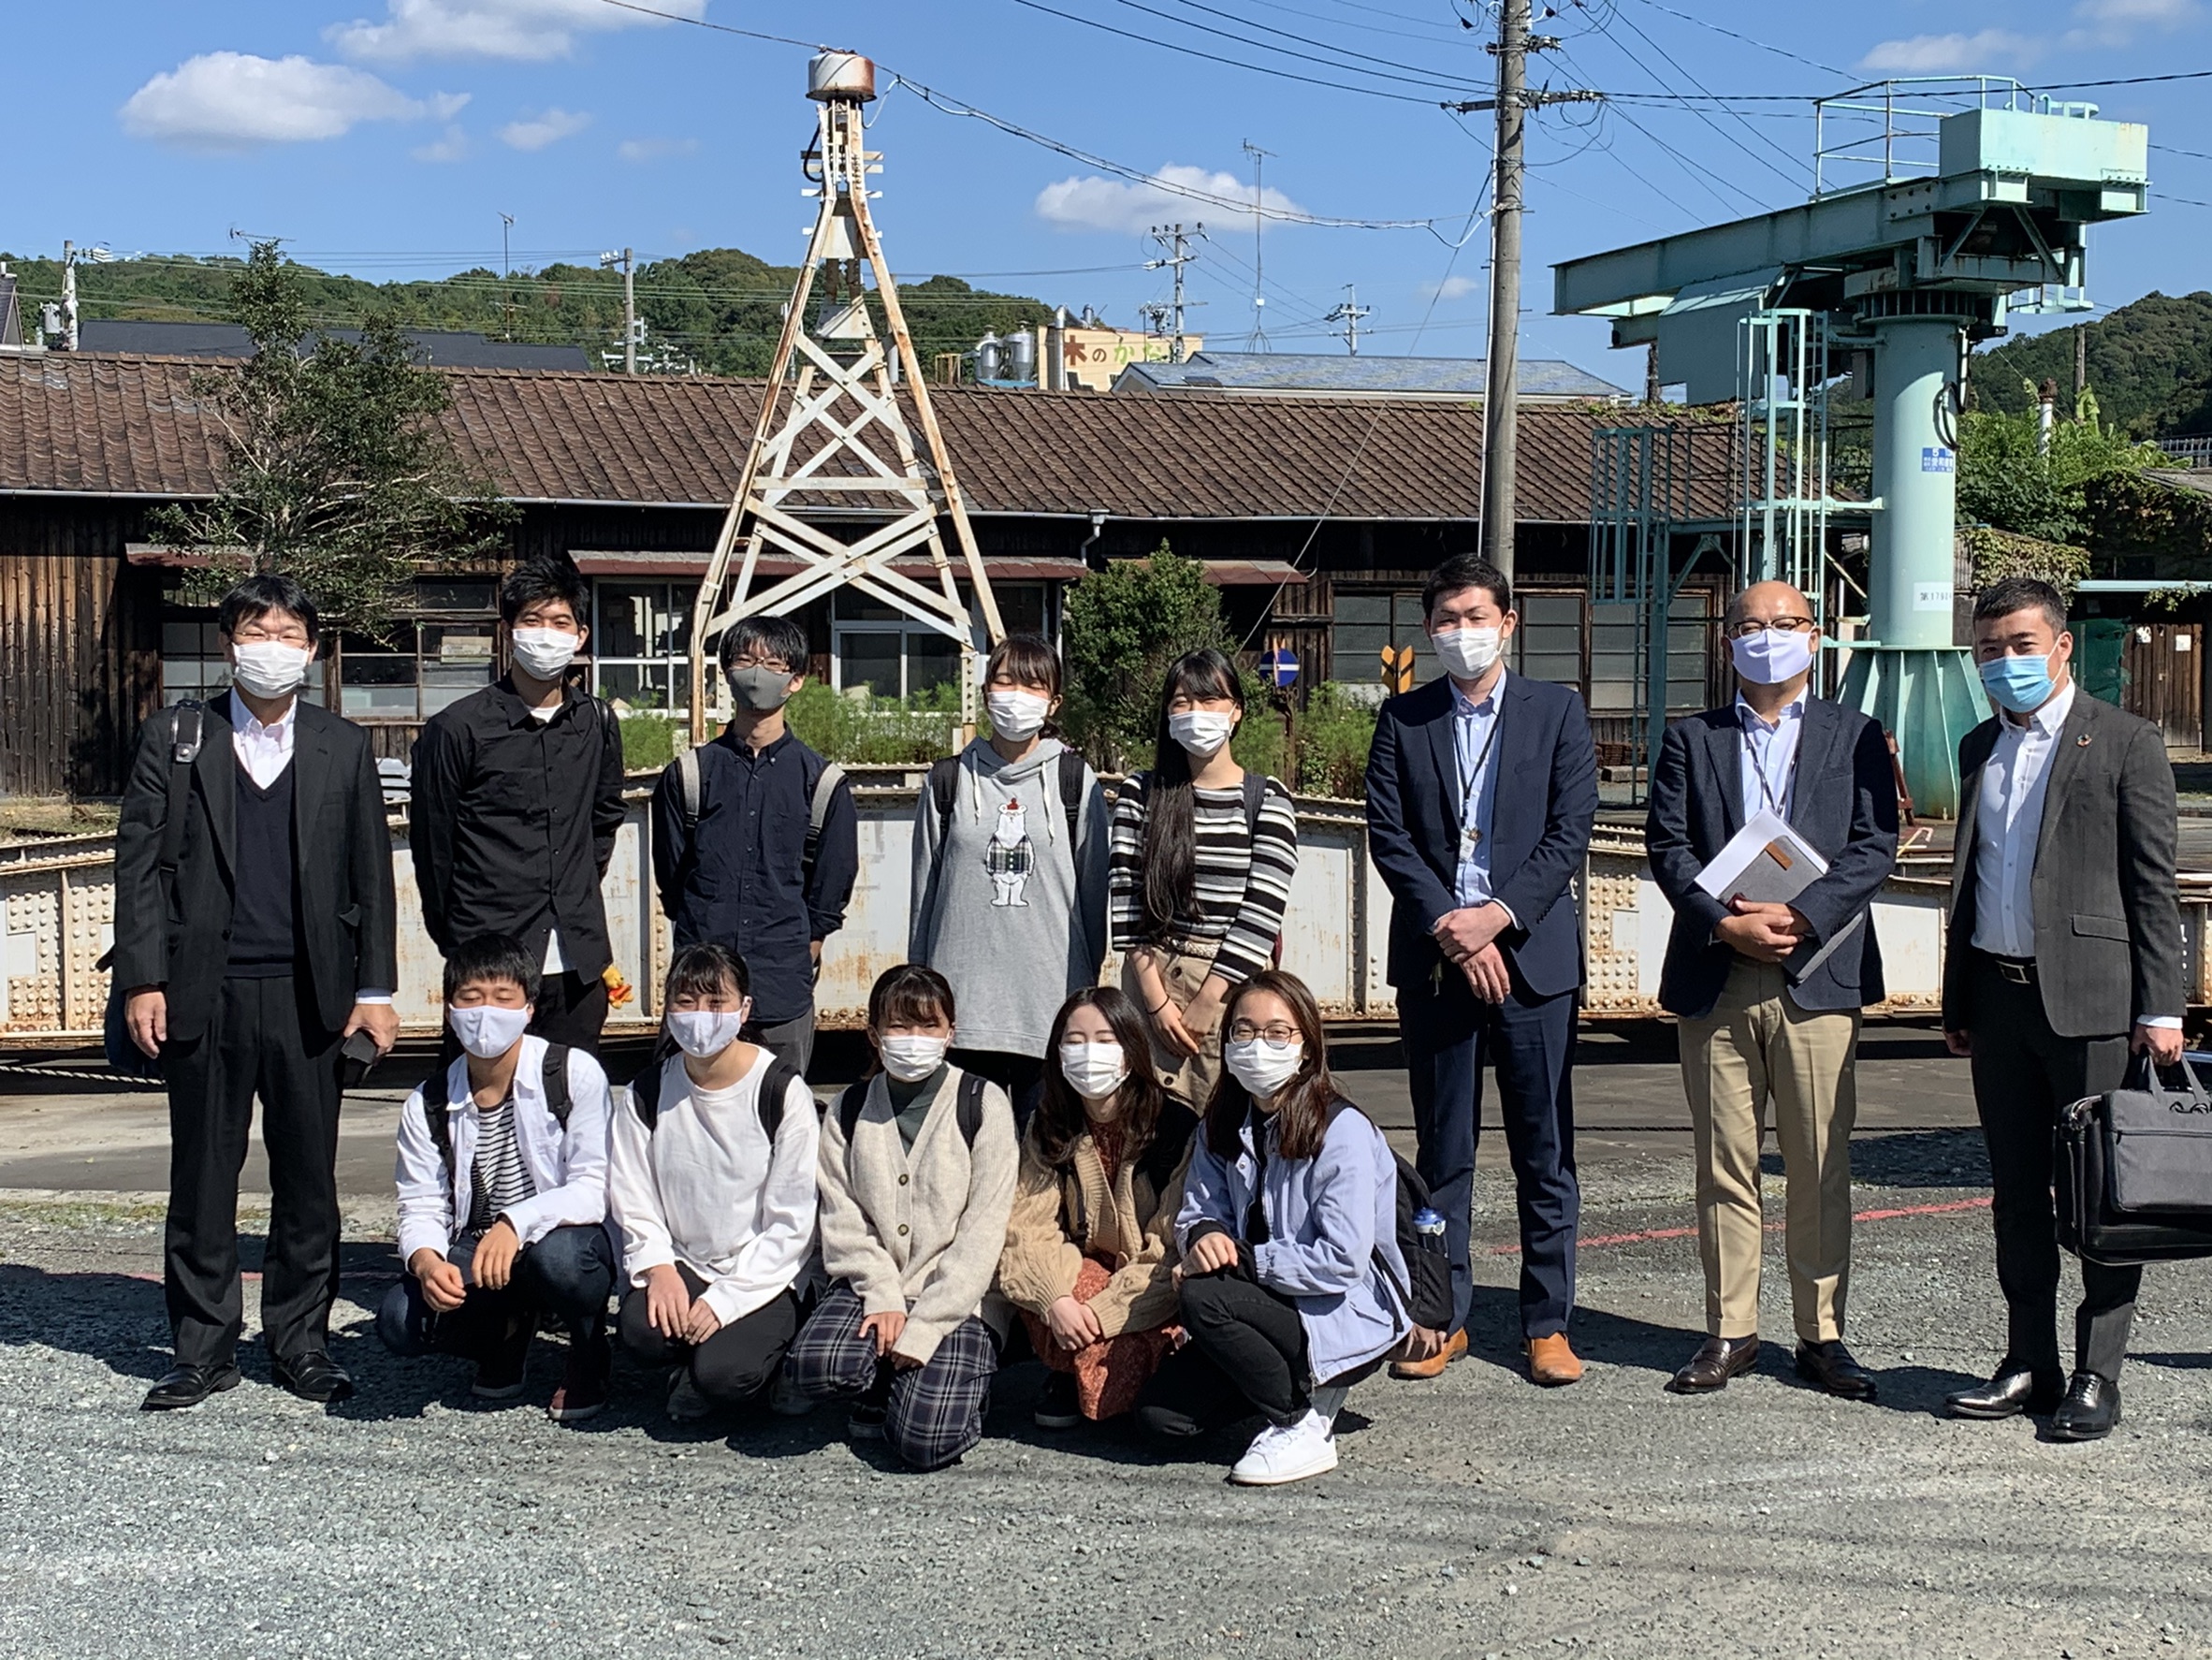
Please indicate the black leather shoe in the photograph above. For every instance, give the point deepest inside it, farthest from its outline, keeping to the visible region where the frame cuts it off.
(2012, 1392)
(1717, 1359)
(187, 1385)
(2090, 1412)
(1830, 1366)
(313, 1377)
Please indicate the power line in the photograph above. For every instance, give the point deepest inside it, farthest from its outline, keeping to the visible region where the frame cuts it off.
(1708, 120)
(1304, 39)
(1778, 51)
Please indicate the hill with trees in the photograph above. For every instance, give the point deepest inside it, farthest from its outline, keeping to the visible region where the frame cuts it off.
(2150, 365)
(720, 307)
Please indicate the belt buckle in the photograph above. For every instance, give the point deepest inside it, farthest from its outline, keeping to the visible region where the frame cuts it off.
(2015, 972)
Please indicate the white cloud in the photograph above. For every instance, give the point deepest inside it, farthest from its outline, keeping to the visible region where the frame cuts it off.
(1094, 203)
(1452, 287)
(644, 150)
(231, 100)
(2165, 12)
(450, 145)
(1942, 54)
(534, 132)
(532, 30)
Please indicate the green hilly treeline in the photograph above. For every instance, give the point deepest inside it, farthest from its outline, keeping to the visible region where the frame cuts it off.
(2150, 365)
(721, 307)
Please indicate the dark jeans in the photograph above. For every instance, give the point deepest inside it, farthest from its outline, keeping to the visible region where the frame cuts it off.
(1247, 1354)
(790, 1041)
(264, 1040)
(569, 1274)
(736, 1364)
(2024, 1074)
(1449, 1036)
(1021, 1076)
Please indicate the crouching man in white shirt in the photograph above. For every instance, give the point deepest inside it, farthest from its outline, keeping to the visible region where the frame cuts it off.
(712, 1180)
(502, 1193)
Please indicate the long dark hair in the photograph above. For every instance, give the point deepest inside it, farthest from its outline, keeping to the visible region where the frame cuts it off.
(1062, 1119)
(1302, 1118)
(1171, 838)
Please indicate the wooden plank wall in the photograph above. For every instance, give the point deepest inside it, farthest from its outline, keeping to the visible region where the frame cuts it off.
(79, 647)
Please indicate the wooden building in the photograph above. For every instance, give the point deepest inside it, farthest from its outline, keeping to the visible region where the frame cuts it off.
(1319, 517)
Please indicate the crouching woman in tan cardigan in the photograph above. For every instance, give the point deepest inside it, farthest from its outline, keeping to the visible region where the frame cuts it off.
(917, 1174)
(1089, 1257)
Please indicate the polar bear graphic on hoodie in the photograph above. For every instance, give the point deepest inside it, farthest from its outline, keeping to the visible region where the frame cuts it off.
(1010, 858)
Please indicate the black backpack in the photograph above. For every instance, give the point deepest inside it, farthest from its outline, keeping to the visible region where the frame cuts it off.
(944, 790)
(1428, 1299)
(437, 1106)
(855, 1099)
(645, 1092)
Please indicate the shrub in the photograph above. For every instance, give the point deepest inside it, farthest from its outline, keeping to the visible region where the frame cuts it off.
(1121, 627)
(651, 741)
(875, 730)
(1333, 737)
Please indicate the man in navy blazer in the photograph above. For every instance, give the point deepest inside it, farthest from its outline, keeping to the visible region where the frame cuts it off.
(1768, 994)
(1481, 787)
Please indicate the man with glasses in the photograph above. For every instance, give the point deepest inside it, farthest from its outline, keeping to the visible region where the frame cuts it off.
(1768, 996)
(756, 843)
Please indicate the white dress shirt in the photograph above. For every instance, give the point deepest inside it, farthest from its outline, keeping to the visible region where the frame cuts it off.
(2008, 824)
(1769, 756)
(1474, 742)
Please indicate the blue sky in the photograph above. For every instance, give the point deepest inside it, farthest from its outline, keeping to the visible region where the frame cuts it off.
(386, 136)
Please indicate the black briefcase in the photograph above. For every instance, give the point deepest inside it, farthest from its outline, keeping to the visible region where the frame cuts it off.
(2132, 1172)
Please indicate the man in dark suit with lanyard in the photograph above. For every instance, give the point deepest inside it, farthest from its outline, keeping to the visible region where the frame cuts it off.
(1481, 787)
(1768, 996)
(253, 937)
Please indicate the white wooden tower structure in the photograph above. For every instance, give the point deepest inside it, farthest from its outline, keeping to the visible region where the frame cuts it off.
(838, 433)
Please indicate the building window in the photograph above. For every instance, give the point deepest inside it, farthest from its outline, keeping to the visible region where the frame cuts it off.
(1614, 688)
(1547, 640)
(881, 647)
(1364, 624)
(425, 665)
(641, 643)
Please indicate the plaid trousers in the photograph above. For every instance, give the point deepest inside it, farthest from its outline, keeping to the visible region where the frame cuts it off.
(932, 1414)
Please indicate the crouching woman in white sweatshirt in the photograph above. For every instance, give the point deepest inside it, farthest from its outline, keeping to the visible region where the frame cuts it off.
(711, 1178)
(917, 1176)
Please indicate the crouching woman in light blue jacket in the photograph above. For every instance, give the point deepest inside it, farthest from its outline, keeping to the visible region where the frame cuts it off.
(1289, 1240)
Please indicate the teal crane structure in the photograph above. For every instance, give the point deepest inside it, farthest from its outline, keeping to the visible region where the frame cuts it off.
(1903, 272)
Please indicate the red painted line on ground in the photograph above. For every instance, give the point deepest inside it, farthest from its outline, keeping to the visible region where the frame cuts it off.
(1649, 1235)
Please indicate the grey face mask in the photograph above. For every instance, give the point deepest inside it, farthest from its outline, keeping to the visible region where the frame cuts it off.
(760, 691)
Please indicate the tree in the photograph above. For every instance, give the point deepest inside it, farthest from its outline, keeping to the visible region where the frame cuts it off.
(1123, 626)
(336, 470)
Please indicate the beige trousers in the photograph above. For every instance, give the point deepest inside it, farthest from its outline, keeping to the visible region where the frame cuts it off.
(1756, 1047)
(1182, 969)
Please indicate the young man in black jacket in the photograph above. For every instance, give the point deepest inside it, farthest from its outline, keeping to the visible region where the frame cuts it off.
(517, 794)
(254, 936)
(743, 854)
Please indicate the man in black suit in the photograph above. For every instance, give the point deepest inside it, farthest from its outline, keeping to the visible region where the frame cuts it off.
(1768, 994)
(1481, 787)
(2065, 955)
(254, 939)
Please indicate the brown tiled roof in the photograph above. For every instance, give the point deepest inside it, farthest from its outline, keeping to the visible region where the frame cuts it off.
(111, 425)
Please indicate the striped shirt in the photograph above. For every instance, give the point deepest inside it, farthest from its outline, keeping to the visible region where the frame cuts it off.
(1243, 881)
(498, 1178)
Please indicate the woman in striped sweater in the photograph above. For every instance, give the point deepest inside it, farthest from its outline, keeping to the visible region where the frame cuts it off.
(1201, 873)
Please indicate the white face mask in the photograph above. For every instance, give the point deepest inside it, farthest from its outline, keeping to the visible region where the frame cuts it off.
(486, 1030)
(1094, 1070)
(1772, 655)
(1201, 732)
(270, 668)
(544, 653)
(1468, 653)
(1260, 1066)
(1016, 714)
(702, 1033)
(911, 1058)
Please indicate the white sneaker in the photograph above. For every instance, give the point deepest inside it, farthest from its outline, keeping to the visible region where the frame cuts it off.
(784, 1399)
(1291, 1453)
(686, 1404)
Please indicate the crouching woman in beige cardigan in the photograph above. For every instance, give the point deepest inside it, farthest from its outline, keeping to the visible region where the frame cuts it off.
(1089, 1256)
(917, 1176)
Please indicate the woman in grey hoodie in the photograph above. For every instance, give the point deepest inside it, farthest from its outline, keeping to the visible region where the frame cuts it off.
(1010, 844)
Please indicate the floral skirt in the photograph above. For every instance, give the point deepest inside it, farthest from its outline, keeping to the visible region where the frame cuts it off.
(1108, 1376)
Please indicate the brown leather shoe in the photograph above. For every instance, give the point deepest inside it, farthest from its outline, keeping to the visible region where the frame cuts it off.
(1717, 1359)
(1454, 1347)
(1551, 1360)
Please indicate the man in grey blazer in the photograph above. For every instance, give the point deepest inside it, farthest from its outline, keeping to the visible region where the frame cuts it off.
(1768, 996)
(2064, 957)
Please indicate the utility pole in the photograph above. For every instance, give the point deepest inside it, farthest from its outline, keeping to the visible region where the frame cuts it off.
(1172, 237)
(2081, 362)
(506, 279)
(628, 261)
(1257, 341)
(1348, 312)
(68, 297)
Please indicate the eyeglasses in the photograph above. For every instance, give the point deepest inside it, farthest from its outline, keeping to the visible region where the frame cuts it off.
(1780, 625)
(1281, 1035)
(776, 664)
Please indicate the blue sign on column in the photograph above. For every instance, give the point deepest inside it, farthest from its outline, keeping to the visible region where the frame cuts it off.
(1281, 666)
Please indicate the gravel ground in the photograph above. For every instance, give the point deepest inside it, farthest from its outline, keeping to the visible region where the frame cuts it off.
(1475, 1516)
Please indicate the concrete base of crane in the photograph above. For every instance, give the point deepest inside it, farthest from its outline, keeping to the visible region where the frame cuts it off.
(1926, 699)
